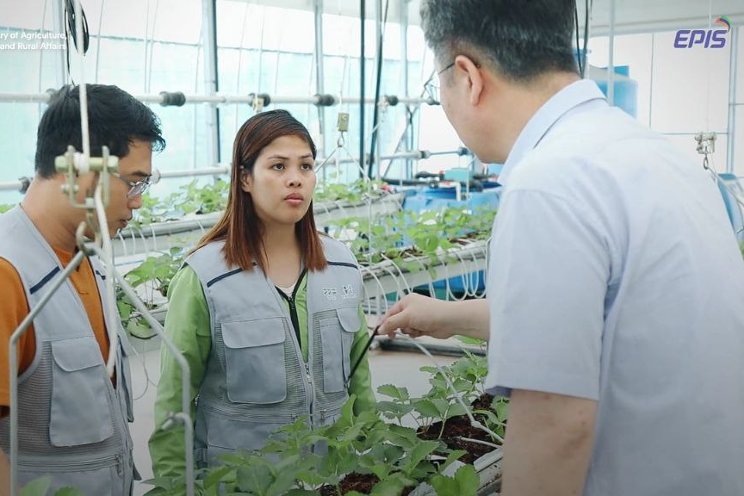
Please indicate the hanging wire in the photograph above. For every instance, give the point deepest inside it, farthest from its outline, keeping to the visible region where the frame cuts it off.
(98, 38)
(80, 37)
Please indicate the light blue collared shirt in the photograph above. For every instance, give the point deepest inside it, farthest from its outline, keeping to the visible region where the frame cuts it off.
(614, 275)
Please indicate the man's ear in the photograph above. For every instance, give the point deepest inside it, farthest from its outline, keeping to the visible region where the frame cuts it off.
(472, 72)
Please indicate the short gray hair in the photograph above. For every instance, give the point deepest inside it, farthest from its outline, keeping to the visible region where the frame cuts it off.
(521, 39)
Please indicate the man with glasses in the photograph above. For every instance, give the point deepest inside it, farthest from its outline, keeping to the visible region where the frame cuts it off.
(615, 303)
(72, 416)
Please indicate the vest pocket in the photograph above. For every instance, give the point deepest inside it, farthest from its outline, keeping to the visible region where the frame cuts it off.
(254, 361)
(80, 412)
(337, 337)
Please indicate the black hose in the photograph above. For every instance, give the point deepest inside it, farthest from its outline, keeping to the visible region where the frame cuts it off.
(378, 85)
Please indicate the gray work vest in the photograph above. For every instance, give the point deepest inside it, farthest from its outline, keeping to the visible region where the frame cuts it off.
(72, 423)
(256, 379)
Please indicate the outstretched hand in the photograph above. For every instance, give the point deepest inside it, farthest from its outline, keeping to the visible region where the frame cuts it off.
(417, 315)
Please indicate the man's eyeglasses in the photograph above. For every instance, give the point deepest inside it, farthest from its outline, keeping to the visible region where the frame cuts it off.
(431, 86)
(136, 188)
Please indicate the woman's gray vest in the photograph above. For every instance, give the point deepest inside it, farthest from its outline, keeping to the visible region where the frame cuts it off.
(72, 422)
(256, 379)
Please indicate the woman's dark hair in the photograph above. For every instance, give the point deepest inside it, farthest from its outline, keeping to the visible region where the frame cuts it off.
(115, 119)
(240, 226)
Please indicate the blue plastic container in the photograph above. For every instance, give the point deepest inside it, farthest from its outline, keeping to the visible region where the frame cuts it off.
(625, 90)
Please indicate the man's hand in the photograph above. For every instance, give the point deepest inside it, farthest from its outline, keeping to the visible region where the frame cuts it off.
(418, 315)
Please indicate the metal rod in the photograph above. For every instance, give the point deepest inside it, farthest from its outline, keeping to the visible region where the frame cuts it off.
(218, 99)
(225, 169)
(13, 363)
(211, 171)
(733, 54)
(185, 415)
(211, 85)
(611, 58)
(407, 137)
(362, 77)
(319, 70)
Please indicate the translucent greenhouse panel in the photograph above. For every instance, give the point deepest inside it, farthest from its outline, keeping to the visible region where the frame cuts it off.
(631, 51)
(690, 87)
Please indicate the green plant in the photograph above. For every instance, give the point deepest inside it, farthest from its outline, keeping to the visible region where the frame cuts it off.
(299, 461)
(441, 403)
(40, 487)
(202, 199)
(5, 207)
(154, 274)
(354, 192)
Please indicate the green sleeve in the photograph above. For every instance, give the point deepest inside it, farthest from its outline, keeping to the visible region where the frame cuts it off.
(187, 325)
(361, 382)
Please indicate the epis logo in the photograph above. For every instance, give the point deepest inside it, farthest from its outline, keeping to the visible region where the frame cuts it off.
(708, 38)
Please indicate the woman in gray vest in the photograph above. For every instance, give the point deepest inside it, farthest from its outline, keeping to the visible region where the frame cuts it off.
(266, 310)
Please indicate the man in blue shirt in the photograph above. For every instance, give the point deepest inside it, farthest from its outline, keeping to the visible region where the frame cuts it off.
(614, 305)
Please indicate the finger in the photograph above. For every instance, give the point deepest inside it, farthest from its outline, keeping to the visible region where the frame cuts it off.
(393, 322)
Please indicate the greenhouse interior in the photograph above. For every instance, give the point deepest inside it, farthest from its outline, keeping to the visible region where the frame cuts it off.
(268, 247)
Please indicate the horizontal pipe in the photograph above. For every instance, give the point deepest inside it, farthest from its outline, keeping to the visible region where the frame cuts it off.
(248, 98)
(225, 169)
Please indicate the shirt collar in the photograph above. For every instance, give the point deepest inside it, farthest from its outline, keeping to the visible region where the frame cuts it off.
(566, 100)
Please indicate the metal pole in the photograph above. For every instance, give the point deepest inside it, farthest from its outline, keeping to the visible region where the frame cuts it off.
(319, 72)
(362, 75)
(59, 27)
(210, 76)
(611, 58)
(215, 99)
(407, 137)
(185, 415)
(225, 169)
(376, 121)
(13, 363)
(731, 131)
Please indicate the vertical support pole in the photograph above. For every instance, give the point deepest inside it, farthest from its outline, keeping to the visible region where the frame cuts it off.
(362, 76)
(731, 128)
(211, 83)
(319, 73)
(611, 58)
(408, 131)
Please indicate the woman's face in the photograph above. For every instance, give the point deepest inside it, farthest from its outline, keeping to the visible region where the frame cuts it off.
(282, 182)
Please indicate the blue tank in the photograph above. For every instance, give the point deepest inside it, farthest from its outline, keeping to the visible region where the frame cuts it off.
(625, 90)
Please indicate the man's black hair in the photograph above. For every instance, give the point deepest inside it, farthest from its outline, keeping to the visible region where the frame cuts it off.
(115, 119)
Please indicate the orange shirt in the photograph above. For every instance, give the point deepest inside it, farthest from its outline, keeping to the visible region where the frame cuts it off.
(14, 308)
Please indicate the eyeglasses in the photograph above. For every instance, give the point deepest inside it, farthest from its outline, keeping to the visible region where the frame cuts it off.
(136, 188)
(431, 86)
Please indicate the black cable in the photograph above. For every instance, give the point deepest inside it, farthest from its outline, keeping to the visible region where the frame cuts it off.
(359, 360)
(71, 31)
(378, 86)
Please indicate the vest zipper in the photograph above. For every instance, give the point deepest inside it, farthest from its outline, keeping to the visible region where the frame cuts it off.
(77, 465)
(293, 307)
(296, 325)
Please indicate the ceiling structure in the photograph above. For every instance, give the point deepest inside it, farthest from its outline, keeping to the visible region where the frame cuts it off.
(631, 16)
